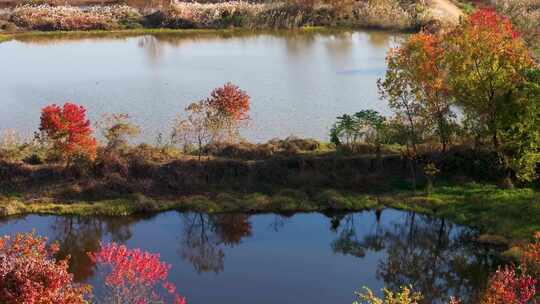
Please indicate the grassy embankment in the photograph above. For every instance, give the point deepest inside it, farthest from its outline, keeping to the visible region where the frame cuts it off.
(36, 36)
(512, 213)
(291, 175)
(4, 38)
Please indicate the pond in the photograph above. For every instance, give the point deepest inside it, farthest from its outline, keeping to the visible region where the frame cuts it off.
(304, 258)
(299, 81)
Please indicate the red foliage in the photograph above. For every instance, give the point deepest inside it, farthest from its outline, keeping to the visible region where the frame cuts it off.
(530, 261)
(135, 275)
(508, 287)
(30, 274)
(426, 53)
(68, 129)
(230, 101)
(487, 19)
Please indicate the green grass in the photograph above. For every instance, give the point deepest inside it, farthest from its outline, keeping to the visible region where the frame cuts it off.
(4, 38)
(511, 213)
(125, 33)
(514, 214)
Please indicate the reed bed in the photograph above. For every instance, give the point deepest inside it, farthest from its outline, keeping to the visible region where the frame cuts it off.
(64, 18)
(385, 14)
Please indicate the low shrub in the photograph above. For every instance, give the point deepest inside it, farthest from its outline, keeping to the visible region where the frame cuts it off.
(296, 143)
(509, 286)
(332, 199)
(109, 162)
(530, 260)
(244, 150)
(11, 146)
(134, 276)
(30, 274)
(403, 296)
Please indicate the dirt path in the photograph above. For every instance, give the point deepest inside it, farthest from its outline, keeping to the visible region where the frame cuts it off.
(445, 10)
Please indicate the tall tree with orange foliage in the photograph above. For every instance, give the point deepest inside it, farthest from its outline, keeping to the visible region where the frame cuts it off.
(415, 85)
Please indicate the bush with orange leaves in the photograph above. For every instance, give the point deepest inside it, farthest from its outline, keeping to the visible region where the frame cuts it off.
(29, 273)
(229, 107)
(68, 131)
(230, 101)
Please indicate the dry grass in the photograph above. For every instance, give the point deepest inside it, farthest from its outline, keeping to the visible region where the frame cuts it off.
(59, 18)
(525, 14)
(386, 14)
(211, 15)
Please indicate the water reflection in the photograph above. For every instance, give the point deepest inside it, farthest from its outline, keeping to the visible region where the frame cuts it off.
(152, 47)
(203, 236)
(431, 254)
(79, 235)
(214, 252)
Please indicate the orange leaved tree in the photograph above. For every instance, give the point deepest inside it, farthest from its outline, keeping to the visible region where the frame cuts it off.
(415, 86)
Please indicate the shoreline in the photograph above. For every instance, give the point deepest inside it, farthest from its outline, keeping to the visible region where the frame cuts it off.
(482, 206)
(126, 33)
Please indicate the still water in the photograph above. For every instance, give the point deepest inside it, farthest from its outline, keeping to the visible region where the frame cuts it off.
(299, 81)
(268, 259)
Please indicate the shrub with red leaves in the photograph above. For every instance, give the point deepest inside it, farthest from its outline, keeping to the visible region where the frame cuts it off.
(508, 287)
(134, 276)
(530, 260)
(69, 130)
(30, 274)
(487, 20)
(229, 100)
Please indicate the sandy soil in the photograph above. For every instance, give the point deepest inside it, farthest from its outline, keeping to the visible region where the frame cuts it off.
(445, 10)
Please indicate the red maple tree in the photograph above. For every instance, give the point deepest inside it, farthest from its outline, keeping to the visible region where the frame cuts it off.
(69, 130)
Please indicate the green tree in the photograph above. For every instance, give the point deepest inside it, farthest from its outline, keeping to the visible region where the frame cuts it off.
(397, 90)
(486, 59)
(364, 126)
(523, 135)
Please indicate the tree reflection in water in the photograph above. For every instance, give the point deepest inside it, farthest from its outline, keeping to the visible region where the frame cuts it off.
(79, 235)
(278, 222)
(434, 256)
(205, 235)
